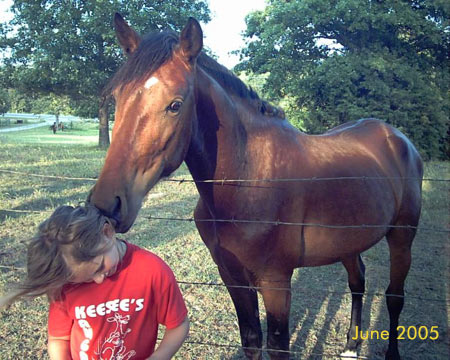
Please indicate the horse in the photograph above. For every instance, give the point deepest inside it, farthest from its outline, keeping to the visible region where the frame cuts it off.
(53, 127)
(174, 103)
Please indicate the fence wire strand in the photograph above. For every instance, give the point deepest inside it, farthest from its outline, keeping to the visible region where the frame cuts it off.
(278, 223)
(293, 352)
(269, 222)
(248, 221)
(228, 181)
(290, 289)
(46, 176)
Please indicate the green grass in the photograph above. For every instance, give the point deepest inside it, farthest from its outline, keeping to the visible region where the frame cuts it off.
(320, 311)
(81, 133)
(5, 125)
(11, 122)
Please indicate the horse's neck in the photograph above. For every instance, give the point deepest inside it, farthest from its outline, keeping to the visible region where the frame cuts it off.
(218, 143)
(217, 146)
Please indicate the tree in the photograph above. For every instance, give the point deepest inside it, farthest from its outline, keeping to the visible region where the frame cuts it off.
(5, 103)
(52, 104)
(340, 60)
(69, 47)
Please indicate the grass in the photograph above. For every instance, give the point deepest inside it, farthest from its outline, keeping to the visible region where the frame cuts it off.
(14, 122)
(85, 133)
(320, 309)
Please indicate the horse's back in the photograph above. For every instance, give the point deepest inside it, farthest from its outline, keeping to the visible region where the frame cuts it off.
(382, 141)
(391, 153)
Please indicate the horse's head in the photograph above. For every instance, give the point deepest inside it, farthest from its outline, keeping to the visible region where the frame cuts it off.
(154, 120)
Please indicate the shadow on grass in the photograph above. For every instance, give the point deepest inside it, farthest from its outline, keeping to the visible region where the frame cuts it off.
(311, 303)
(50, 199)
(426, 303)
(317, 311)
(318, 298)
(162, 231)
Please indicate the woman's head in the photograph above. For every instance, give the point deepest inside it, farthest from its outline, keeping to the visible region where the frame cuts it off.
(65, 243)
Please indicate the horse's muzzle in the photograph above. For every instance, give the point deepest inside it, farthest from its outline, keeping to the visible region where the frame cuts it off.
(113, 214)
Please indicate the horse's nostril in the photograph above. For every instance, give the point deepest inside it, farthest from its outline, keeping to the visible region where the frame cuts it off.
(116, 209)
(88, 199)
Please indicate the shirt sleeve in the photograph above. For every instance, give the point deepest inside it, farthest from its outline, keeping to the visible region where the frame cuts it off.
(59, 321)
(171, 307)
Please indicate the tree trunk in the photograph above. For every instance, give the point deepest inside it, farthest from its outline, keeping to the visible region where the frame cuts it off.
(57, 120)
(103, 135)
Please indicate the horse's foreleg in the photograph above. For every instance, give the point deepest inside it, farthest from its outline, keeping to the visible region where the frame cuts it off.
(356, 281)
(245, 301)
(277, 300)
(235, 277)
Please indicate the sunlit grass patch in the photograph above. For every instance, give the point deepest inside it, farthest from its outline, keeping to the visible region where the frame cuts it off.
(79, 133)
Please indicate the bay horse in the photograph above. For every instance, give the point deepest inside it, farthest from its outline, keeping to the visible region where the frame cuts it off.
(174, 103)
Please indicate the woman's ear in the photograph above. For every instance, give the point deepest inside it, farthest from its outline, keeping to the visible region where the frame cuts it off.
(108, 230)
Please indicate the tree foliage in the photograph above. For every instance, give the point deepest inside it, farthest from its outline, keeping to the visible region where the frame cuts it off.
(52, 104)
(69, 47)
(338, 60)
(5, 102)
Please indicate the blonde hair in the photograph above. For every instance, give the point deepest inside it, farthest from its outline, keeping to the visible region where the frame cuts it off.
(73, 233)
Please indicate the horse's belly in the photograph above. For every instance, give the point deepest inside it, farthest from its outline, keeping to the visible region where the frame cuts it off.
(327, 246)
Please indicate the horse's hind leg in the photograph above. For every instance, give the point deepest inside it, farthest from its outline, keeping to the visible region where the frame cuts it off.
(356, 280)
(400, 241)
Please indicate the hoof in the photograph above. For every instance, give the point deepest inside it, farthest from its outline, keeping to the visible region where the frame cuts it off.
(349, 355)
(392, 356)
(253, 355)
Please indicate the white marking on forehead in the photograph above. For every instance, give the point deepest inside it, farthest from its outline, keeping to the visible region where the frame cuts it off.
(150, 82)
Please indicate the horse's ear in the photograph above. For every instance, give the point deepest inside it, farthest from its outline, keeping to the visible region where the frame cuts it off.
(191, 40)
(128, 38)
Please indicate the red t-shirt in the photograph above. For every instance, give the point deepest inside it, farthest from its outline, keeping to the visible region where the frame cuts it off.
(118, 319)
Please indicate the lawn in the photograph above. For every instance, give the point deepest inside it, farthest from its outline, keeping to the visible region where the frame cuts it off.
(321, 303)
(83, 133)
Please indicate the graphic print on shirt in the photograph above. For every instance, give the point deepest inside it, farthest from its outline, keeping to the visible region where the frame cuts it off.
(113, 347)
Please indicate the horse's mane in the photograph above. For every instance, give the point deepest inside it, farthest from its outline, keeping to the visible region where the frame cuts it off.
(156, 48)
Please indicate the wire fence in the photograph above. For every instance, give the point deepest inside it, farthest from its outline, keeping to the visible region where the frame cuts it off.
(290, 352)
(251, 221)
(269, 222)
(303, 290)
(285, 288)
(279, 223)
(227, 181)
(257, 222)
(252, 182)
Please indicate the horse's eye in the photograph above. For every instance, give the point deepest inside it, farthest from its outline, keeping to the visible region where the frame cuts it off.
(175, 106)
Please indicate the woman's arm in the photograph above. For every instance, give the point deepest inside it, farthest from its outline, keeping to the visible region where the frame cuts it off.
(59, 348)
(171, 341)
